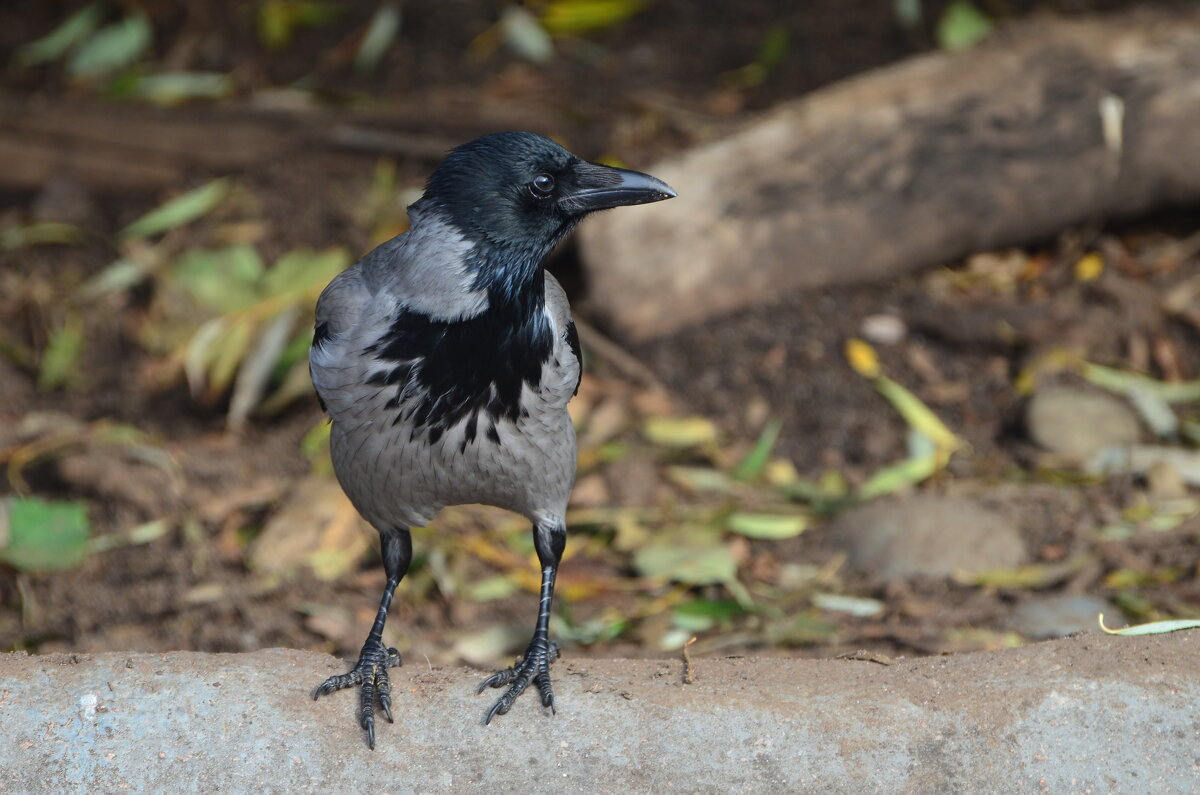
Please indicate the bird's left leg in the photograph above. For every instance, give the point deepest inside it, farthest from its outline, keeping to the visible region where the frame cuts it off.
(534, 665)
(370, 673)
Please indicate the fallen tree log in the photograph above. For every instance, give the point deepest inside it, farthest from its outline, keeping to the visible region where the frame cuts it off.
(1088, 713)
(1047, 124)
(110, 148)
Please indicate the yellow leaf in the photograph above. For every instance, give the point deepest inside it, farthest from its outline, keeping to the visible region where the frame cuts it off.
(1033, 575)
(1089, 267)
(920, 417)
(862, 358)
(1049, 363)
(680, 431)
(575, 17)
(923, 461)
(781, 472)
(767, 526)
(341, 545)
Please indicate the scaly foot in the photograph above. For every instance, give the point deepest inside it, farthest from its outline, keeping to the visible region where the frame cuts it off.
(370, 674)
(533, 666)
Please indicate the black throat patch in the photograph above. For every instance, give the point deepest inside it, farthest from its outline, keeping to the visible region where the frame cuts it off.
(444, 372)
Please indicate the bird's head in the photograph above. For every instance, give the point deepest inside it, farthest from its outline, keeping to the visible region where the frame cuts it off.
(516, 194)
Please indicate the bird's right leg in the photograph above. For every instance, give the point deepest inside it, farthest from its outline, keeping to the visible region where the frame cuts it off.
(370, 673)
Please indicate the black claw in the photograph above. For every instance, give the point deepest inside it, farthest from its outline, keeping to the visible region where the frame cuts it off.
(499, 708)
(533, 666)
(543, 684)
(385, 702)
(370, 674)
(498, 679)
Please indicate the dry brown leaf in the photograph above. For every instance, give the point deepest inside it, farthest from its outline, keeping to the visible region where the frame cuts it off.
(317, 528)
(607, 420)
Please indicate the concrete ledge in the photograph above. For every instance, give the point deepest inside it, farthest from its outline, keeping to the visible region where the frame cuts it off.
(1089, 713)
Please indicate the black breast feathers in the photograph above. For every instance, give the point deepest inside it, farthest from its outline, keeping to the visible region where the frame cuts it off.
(447, 371)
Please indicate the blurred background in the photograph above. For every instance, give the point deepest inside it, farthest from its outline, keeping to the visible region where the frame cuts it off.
(977, 444)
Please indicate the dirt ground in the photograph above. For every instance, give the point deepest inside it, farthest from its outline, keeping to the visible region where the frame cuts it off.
(642, 90)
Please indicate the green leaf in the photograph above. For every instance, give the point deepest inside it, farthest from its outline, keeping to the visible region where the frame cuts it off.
(490, 589)
(692, 623)
(751, 467)
(701, 479)
(859, 606)
(301, 270)
(597, 630)
(200, 352)
(39, 234)
(1127, 383)
(119, 275)
(57, 42)
(278, 19)
(919, 416)
(45, 535)
(720, 610)
(485, 646)
(316, 441)
(767, 526)
(141, 534)
(774, 48)
(227, 354)
(961, 26)
(294, 383)
(62, 354)
(385, 24)
(800, 630)
(696, 566)
(826, 495)
(296, 353)
(179, 211)
(222, 280)
(1153, 628)
(112, 47)
(172, 88)
(255, 371)
(921, 464)
(1136, 605)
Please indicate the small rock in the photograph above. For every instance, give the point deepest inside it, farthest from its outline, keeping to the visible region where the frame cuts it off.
(926, 536)
(1058, 616)
(884, 329)
(1077, 422)
(1165, 481)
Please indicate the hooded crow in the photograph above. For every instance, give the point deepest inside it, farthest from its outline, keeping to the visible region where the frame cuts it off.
(445, 359)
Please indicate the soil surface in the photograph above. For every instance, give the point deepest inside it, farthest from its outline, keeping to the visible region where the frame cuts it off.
(663, 80)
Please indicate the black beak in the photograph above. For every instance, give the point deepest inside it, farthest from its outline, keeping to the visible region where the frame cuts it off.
(601, 187)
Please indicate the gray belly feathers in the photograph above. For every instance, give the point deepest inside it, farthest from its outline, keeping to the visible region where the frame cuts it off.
(423, 419)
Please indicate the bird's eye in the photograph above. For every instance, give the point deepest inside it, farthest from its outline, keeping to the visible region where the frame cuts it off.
(542, 185)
